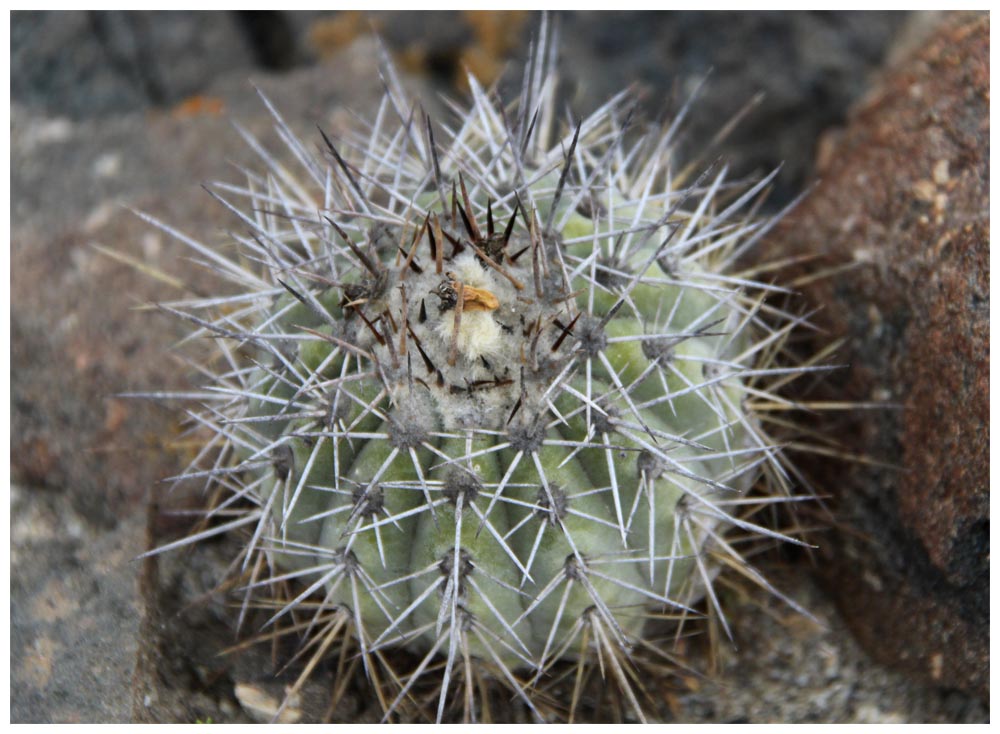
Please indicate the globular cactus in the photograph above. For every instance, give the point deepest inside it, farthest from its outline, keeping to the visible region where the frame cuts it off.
(485, 391)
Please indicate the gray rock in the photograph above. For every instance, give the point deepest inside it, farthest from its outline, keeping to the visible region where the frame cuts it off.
(783, 667)
(809, 66)
(74, 613)
(91, 63)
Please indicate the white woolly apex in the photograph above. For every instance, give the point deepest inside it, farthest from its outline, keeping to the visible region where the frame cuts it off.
(478, 331)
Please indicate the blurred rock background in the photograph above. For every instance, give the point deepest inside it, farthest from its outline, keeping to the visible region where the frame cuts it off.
(126, 108)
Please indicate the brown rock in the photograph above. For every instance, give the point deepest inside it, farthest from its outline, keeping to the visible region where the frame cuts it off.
(904, 198)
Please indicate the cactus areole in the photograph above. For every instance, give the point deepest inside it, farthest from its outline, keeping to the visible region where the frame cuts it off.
(484, 387)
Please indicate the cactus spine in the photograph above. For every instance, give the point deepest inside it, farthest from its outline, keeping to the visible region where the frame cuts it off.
(485, 389)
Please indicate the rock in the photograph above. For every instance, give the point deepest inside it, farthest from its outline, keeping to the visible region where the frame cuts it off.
(904, 199)
(783, 667)
(74, 612)
(809, 66)
(90, 63)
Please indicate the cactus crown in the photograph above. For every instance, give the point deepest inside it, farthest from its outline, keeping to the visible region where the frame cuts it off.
(485, 390)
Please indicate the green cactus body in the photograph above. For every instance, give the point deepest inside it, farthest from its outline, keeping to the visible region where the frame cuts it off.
(489, 396)
(535, 464)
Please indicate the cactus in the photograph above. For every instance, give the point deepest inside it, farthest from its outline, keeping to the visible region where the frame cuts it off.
(484, 391)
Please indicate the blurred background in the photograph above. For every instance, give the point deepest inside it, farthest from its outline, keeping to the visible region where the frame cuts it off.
(808, 66)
